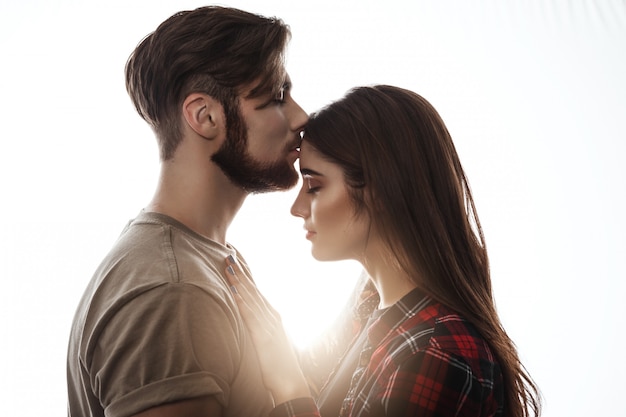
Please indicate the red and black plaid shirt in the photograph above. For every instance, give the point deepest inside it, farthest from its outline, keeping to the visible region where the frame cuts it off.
(421, 359)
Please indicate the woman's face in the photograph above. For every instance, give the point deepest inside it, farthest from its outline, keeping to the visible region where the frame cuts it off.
(336, 232)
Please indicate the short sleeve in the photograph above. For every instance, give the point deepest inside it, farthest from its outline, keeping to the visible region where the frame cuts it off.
(170, 343)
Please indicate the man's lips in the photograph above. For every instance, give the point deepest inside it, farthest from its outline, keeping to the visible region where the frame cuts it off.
(294, 150)
(295, 146)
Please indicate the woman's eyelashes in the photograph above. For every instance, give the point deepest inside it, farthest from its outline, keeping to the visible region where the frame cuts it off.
(312, 185)
(313, 190)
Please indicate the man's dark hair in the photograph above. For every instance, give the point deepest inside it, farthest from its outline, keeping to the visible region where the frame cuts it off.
(215, 50)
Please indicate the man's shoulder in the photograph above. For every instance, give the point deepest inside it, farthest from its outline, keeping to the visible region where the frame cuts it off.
(156, 243)
(153, 254)
(147, 270)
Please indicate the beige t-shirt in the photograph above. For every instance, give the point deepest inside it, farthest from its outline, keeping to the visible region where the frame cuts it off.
(158, 324)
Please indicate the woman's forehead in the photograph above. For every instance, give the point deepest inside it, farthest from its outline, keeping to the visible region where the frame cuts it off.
(306, 146)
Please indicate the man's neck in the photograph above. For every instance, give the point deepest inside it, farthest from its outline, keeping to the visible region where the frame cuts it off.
(205, 200)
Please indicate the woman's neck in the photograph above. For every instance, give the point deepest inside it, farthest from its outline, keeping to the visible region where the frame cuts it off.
(392, 283)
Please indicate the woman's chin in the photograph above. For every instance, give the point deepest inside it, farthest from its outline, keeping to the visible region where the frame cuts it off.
(324, 256)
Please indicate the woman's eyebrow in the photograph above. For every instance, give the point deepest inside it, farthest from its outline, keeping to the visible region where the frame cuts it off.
(307, 171)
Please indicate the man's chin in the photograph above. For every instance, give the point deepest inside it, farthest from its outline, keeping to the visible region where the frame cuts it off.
(255, 177)
(285, 184)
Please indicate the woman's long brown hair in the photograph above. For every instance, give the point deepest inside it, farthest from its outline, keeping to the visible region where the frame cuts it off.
(402, 168)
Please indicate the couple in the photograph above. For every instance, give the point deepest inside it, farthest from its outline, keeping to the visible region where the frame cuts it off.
(171, 324)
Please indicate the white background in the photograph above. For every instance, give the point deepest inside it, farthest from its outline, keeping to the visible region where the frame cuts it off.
(533, 93)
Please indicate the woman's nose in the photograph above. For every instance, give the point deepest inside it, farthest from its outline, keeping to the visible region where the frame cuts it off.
(299, 208)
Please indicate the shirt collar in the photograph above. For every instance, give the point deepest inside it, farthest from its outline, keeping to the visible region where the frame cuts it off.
(410, 305)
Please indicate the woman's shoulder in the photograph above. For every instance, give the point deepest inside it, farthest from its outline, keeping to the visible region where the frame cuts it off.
(438, 327)
(455, 334)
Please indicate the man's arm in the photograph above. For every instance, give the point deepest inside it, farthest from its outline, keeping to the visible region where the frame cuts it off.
(196, 407)
(174, 363)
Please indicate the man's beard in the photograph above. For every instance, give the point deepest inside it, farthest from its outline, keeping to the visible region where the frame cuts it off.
(246, 172)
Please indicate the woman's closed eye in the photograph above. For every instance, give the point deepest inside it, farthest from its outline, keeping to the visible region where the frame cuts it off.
(313, 190)
(313, 186)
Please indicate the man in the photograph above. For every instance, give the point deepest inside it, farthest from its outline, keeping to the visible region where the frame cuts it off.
(157, 332)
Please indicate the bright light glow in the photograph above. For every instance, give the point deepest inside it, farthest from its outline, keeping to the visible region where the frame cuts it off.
(532, 92)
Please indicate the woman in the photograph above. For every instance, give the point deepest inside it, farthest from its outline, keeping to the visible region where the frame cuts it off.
(383, 184)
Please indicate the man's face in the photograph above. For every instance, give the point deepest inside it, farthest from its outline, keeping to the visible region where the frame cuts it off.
(262, 140)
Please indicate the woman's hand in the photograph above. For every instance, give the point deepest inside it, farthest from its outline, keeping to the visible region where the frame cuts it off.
(279, 364)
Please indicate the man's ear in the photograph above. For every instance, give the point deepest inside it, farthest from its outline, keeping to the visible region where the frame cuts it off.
(204, 115)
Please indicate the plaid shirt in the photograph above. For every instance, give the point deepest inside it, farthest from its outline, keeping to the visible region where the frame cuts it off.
(421, 359)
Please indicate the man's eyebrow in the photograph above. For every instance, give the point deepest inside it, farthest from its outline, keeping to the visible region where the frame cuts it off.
(307, 171)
